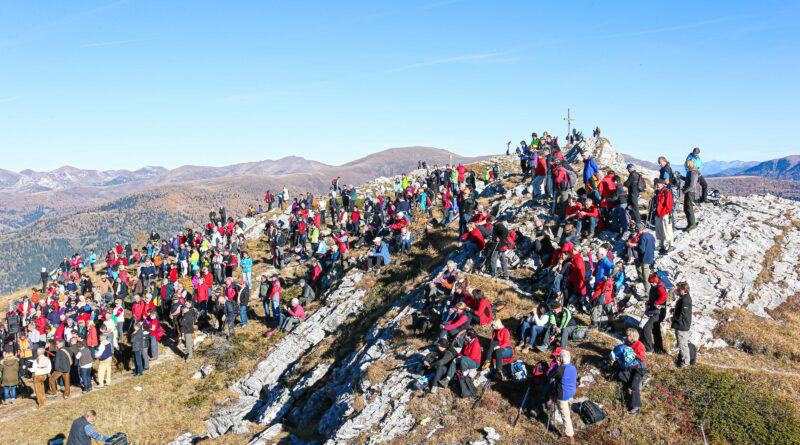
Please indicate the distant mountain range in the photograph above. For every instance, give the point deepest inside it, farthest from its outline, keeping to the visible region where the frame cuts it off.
(181, 199)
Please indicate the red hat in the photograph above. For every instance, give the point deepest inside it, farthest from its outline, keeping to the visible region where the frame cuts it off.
(557, 352)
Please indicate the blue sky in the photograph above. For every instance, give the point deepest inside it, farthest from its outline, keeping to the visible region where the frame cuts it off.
(143, 82)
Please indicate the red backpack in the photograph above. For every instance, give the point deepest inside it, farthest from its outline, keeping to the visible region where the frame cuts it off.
(511, 241)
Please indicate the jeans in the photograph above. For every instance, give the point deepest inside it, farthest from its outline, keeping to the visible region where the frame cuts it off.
(137, 360)
(499, 354)
(475, 253)
(9, 392)
(288, 322)
(153, 348)
(498, 255)
(534, 329)
(86, 378)
(405, 245)
(243, 315)
(538, 186)
(248, 277)
(589, 220)
(276, 310)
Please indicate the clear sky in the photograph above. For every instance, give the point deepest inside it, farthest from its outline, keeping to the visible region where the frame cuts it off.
(103, 84)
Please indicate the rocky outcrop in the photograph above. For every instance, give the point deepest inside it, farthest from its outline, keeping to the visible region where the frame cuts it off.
(257, 398)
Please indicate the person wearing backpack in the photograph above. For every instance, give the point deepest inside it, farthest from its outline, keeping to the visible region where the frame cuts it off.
(694, 157)
(645, 255)
(635, 185)
(564, 380)
(655, 311)
(632, 369)
(682, 322)
(103, 357)
(690, 190)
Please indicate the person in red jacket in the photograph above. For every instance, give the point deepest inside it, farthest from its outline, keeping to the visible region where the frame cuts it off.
(632, 377)
(482, 312)
(201, 296)
(603, 301)
(665, 204)
(476, 243)
(500, 348)
(315, 275)
(138, 308)
(655, 311)
(469, 358)
(590, 215)
(607, 187)
(576, 280)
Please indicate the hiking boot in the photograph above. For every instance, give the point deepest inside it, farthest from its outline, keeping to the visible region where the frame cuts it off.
(568, 439)
(636, 410)
(271, 333)
(445, 382)
(433, 389)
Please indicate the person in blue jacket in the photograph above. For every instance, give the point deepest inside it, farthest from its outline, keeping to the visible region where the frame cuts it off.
(379, 255)
(564, 383)
(590, 174)
(646, 248)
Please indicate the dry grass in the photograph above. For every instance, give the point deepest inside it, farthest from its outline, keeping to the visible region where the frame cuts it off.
(778, 338)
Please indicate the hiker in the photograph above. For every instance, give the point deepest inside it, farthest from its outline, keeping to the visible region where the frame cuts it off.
(10, 371)
(564, 383)
(247, 269)
(646, 255)
(468, 359)
(503, 241)
(229, 311)
(665, 172)
(294, 314)
(85, 360)
(82, 431)
(243, 300)
(576, 278)
(632, 369)
(655, 311)
(443, 283)
(540, 175)
(378, 256)
(439, 361)
(307, 294)
(533, 325)
(186, 322)
(690, 193)
(618, 203)
(103, 357)
(682, 323)
(456, 324)
(481, 309)
(139, 347)
(61, 369)
(500, 348)
(591, 173)
(40, 369)
(602, 301)
(560, 323)
(635, 185)
(665, 203)
(694, 157)
(475, 243)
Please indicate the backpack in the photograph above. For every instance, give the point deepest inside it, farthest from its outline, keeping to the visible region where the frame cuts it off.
(664, 277)
(466, 386)
(640, 184)
(591, 412)
(518, 371)
(625, 356)
(511, 240)
(581, 333)
(539, 376)
(420, 384)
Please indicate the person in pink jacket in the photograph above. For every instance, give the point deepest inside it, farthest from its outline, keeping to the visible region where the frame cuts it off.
(292, 315)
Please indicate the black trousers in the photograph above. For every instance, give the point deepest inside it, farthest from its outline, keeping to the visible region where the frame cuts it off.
(633, 206)
(632, 379)
(688, 208)
(703, 185)
(652, 334)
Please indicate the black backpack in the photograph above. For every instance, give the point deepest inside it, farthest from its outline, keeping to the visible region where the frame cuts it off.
(640, 184)
(591, 412)
(466, 386)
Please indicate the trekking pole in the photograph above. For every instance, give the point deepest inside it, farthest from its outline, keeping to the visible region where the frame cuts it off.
(703, 431)
(522, 405)
(550, 409)
(480, 396)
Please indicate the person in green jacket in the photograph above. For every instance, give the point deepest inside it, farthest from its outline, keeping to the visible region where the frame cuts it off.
(561, 323)
(10, 369)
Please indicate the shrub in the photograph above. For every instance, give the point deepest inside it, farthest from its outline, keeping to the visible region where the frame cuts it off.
(733, 411)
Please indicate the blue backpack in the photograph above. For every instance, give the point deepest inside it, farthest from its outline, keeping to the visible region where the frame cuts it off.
(625, 356)
(519, 371)
(664, 277)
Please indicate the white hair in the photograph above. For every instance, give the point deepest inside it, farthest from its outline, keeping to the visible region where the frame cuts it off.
(566, 357)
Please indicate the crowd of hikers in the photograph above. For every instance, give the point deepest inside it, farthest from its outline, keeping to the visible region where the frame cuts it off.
(75, 326)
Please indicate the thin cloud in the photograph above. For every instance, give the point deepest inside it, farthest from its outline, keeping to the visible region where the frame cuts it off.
(9, 99)
(111, 43)
(474, 58)
(674, 27)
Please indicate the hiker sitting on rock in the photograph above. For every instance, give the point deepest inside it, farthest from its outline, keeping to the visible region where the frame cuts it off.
(632, 361)
(378, 256)
(561, 324)
(533, 324)
(438, 362)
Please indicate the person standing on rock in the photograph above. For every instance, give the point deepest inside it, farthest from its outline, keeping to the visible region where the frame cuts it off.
(635, 185)
(682, 322)
(691, 188)
(591, 173)
(664, 205)
(655, 311)
(646, 255)
(694, 156)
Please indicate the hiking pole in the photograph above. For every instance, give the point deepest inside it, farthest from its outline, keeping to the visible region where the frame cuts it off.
(550, 409)
(521, 406)
(480, 396)
(703, 431)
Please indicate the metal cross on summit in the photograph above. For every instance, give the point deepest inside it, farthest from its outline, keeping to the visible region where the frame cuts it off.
(569, 120)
